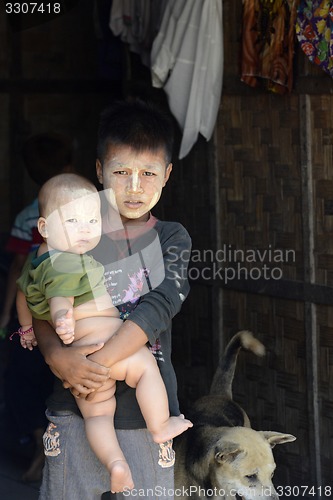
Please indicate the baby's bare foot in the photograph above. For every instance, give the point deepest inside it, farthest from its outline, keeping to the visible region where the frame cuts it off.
(172, 428)
(121, 477)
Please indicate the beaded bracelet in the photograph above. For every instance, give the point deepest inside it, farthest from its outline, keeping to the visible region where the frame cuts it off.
(20, 332)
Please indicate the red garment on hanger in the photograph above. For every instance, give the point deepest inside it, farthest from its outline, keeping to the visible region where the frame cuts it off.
(268, 40)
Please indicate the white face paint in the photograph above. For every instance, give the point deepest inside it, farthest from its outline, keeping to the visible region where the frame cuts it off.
(134, 180)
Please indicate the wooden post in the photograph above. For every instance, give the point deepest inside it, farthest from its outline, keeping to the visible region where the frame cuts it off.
(217, 335)
(310, 310)
(16, 107)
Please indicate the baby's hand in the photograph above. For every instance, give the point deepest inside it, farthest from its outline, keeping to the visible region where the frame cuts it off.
(64, 326)
(28, 340)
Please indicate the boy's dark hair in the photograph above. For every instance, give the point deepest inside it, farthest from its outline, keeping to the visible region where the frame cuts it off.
(46, 155)
(136, 124)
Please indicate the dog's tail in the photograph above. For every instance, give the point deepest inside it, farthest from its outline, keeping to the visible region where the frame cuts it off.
(222, 381)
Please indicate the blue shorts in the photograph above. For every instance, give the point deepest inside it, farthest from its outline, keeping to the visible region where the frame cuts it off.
(73, 472)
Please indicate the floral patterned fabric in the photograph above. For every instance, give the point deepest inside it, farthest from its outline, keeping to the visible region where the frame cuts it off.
(314, 30)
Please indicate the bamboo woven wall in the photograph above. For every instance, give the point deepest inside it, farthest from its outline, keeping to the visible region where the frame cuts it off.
(275, 158)
(273, 389)
(259, 145)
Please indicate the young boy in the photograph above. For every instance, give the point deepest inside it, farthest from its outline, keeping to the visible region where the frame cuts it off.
(134, 153)
(65, 285)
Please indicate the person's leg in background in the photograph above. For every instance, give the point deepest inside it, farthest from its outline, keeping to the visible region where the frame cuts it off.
(27, 383)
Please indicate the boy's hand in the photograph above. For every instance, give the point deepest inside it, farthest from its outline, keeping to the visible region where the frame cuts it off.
(64, 326)
(78, 373)
(70, 364)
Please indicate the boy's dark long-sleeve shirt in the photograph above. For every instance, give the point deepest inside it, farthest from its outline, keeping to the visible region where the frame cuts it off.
(146, 276)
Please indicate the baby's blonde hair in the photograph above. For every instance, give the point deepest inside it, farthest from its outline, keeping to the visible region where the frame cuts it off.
(61, 189)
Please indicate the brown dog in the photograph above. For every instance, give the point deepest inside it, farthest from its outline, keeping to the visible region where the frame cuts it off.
(221, 456)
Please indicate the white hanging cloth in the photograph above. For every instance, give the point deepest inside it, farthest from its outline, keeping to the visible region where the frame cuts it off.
(137, 22)
(187, 60)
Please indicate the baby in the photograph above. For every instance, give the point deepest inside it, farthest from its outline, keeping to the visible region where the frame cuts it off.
(65, 285)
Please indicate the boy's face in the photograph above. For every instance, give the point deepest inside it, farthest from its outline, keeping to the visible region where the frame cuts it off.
(75, 226)
(134, 179)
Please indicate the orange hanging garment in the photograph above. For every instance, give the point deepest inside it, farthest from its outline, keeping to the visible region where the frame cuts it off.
(268, 39)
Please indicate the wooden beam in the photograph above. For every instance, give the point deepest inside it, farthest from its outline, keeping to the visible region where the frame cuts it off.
(310, 85)
(16, 170)
(112, 88)
(310, 311)
(279, 289)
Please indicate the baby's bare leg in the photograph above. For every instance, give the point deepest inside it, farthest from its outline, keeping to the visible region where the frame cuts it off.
(98, 417)
(141, 372)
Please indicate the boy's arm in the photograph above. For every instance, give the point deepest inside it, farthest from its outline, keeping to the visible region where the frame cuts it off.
(70, 364)
(127, 340)
(153, 314)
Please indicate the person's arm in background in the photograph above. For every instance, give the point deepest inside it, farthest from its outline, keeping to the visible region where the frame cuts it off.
(13, 274)
(20, 243)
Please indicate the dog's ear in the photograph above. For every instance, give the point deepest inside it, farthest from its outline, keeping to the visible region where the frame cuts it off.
(274, 438)
(228, 453)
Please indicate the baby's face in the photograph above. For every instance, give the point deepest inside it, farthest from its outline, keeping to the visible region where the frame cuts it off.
(75, 226)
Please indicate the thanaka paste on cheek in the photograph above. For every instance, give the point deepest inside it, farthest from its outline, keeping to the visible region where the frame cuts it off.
(154, 200)
(111, 198)
(114, 217)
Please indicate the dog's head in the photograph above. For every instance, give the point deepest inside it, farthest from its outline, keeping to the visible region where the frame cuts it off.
(242, 464)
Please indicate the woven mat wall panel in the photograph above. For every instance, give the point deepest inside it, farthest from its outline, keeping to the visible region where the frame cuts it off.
(273, 389)
(259, 139)
(260, 185)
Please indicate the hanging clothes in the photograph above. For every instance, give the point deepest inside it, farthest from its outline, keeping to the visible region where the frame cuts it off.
(268, 40)
(314, 30)
(187, 61)
(109, 60)
(137, 22)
